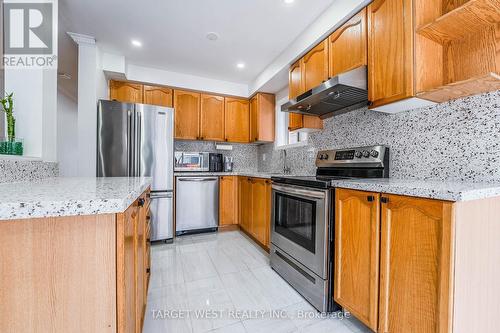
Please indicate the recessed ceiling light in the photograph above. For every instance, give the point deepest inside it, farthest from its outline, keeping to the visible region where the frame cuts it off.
(136, 43)
(288, 1)
(213, 36)
(240, 65)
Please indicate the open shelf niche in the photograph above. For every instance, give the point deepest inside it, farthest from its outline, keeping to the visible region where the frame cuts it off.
(456, 45)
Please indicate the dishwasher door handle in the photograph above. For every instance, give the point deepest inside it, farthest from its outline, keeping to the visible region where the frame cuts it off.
(197, 179)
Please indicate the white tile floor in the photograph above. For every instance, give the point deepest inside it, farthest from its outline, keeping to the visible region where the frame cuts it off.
(221, 282)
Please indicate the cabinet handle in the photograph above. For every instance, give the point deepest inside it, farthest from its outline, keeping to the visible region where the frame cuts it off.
(202, 138)
(384, 200)
(225, 139)
(148, 270)
(370, 198)
(140, 202)
(148, 218)
(148, 240)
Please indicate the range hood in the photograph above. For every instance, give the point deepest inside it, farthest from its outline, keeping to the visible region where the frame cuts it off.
(342, 93)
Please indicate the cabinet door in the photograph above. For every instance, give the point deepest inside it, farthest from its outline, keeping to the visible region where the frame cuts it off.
(416, 265)
(246, 203)
(228, 194)
(315, 66)
(348, 45)
(212, 118)
(261, 210)
(237, 124)
(295, 84)
(139, 264)
(158, 96)
(390, 51)
(187, 115)
(126, 232)
(125, 92)
(262, 118)
(357, 230)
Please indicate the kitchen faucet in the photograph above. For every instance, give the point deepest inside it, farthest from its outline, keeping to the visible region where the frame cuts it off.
(286, 169)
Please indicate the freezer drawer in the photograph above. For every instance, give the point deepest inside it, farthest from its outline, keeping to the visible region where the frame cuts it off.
(197, 203)
(161, 210)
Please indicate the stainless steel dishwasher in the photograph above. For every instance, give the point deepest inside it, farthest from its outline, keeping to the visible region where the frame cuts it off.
(196, 204)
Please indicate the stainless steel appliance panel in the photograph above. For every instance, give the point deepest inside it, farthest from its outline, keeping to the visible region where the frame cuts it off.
(299, 225)
(309, 285)
(156, 145)
(197, 203)
(161, 210)
(115, 126)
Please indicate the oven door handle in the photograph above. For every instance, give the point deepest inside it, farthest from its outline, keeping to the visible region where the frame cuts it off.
(297, 191)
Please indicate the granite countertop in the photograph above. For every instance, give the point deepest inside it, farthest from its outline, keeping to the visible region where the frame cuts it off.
(62, 196)
(442, 190)
(432, 189)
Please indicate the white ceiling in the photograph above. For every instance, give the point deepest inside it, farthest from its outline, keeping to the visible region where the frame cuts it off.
(173, 32)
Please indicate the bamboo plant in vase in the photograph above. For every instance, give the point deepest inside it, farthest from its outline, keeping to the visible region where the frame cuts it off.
(10, 145)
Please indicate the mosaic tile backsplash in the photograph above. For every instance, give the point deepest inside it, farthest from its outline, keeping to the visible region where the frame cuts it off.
(458, 140)
(244, 155)
(16, 170)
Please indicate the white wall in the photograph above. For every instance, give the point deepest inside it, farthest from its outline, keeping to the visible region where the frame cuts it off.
(275, 76)
(179, 80)
(67, 135)
(35, 109)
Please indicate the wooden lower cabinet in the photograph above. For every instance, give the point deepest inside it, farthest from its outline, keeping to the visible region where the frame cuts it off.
(410, 288)
(357, 233)
(228, 201)
(261, 210)
(415, 265)
(132, 257)
(245, 204)
(255, 209)
(75, 273)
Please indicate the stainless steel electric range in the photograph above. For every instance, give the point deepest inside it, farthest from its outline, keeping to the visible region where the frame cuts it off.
(302, 220)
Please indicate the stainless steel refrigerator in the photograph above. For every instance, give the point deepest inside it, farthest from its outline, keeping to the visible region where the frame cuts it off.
(137, 140)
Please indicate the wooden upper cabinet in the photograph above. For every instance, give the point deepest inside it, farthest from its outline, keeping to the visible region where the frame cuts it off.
(125, 92)
(262, 118)
(390, 51)
(357, 230)
(237, 120)
(212, 117)
(315, 66)
(416, 265)
(348, 45)
(158, 96)
(295, 83)
(228, 200)
(295, 88)
(187, 115)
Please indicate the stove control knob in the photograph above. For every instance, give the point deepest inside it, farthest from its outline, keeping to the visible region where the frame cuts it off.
(374, 153)
(325, 157)
(366, 153)
(358, 154)
(320, 157)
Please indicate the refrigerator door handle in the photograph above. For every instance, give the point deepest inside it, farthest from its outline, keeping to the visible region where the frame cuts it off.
(167, 195)
(130, 156)
(138, 144)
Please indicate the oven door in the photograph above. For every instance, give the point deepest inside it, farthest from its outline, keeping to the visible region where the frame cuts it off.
(299, 225)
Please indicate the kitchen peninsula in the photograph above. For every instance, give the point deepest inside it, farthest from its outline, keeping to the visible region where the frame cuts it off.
(75, 254)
